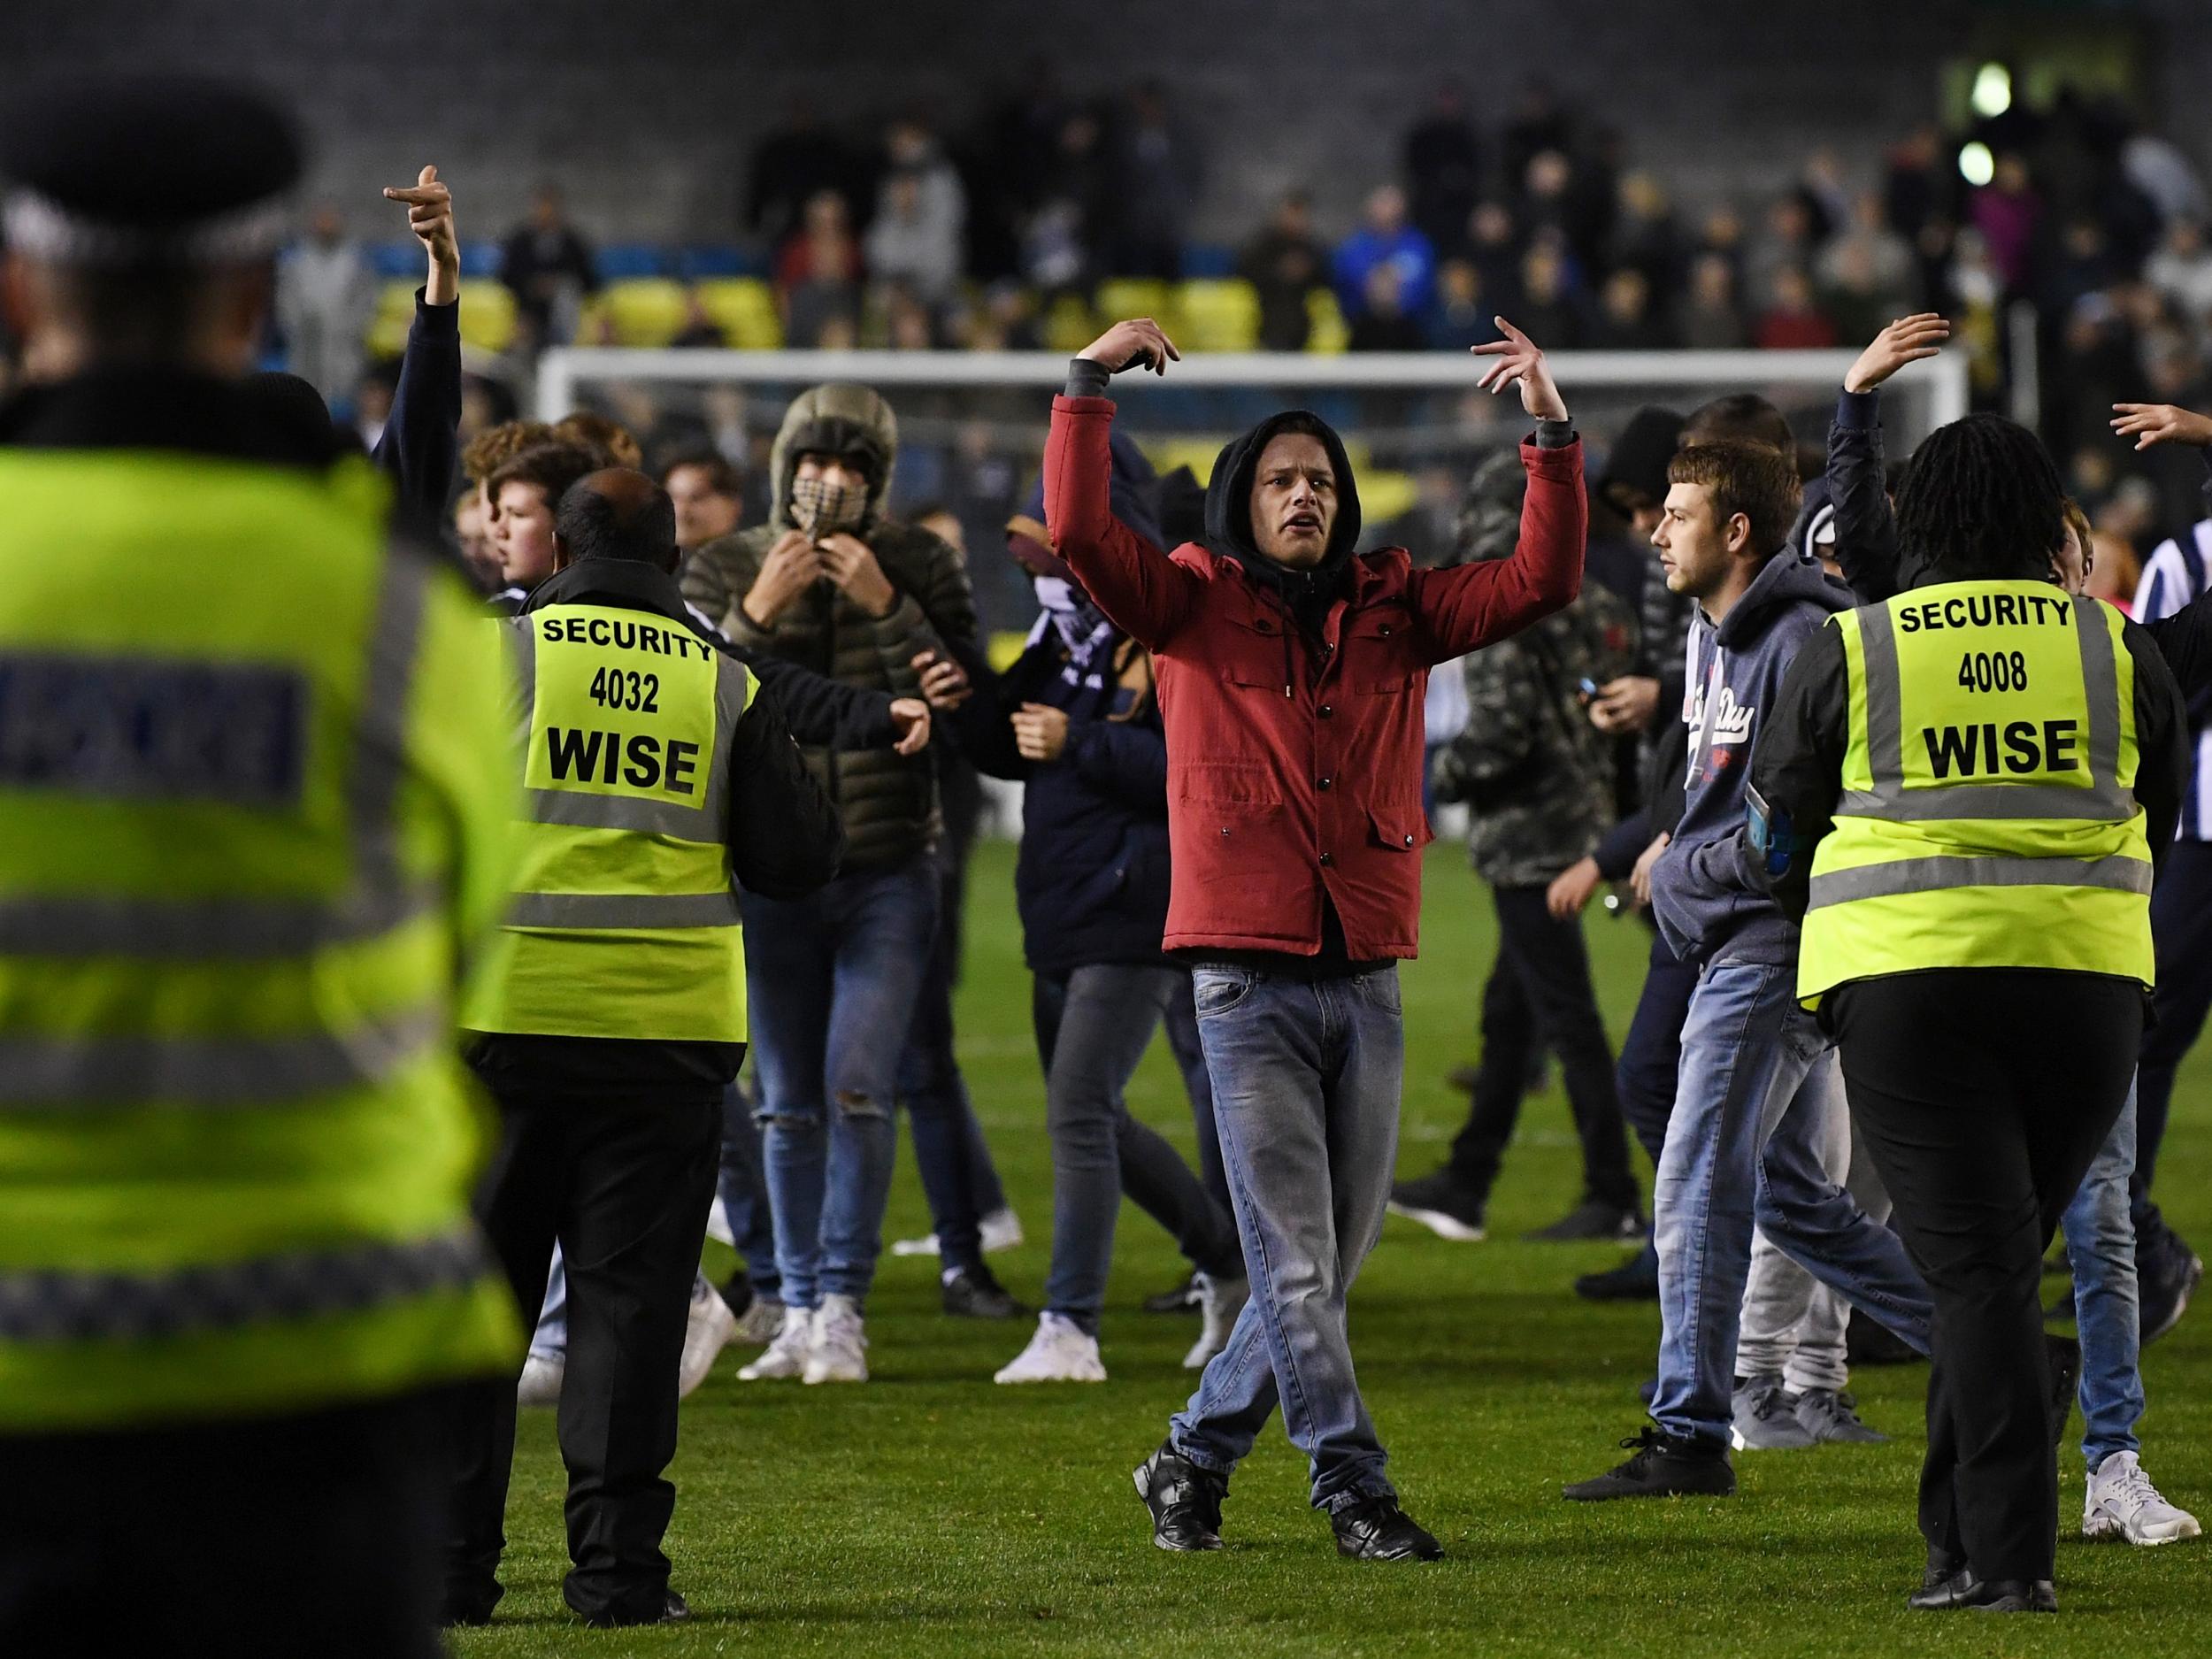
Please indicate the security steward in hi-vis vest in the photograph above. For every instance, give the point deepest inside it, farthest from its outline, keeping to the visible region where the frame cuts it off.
(252, 824)
(611, 1016)
(1960, 791)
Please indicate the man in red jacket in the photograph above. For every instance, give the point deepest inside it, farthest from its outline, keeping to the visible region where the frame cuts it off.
(1291, 676)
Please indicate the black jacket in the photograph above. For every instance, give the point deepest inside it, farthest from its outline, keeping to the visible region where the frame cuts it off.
(785, 840)
(420, 444)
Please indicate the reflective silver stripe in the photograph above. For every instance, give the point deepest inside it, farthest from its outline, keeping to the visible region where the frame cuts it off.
(730, 691)
(524, 634)
(64, 1073)
(2103, 801)
(1905, 876)
(623, 910)
(573, 808)
(52, 1306)
(380, 897)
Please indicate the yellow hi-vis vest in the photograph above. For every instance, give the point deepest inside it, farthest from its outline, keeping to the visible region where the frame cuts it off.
(1988, 816)
(251, 813)
(624, 921)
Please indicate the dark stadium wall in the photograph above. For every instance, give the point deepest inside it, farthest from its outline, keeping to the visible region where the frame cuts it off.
(647, 111)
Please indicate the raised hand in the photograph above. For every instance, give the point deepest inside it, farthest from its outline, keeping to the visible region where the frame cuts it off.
(1907, 340)
(1139, 343)
(1520, 361)
(848, 562)
(430, 216)
(2154, 424)
(909, 717)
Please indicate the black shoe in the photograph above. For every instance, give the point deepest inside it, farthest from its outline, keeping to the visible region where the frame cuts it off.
(674, 1611)
(2168, 1272)
(1443, 1204)
(1185, 1501)
(2064, 1357)
(1636, 1280)
(1871, 1342)
(1182, 1299)
(1661, 1467)
(1376, 1529)
(1592, 1218)
(1962, 1589)
(973, 1293)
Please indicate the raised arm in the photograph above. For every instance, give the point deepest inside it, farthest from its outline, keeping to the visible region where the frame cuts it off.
(1866, 531)
(2181, 627)
(1143, 593)
(420, 445)
(1468, 606)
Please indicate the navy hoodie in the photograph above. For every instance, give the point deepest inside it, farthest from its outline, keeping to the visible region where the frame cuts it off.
(1706, 888)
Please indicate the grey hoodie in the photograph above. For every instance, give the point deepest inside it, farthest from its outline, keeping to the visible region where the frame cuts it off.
(1705, 888)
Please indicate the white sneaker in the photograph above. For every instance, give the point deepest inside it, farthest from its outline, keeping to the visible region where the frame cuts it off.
(1219, 1303)
(1061, 1351)
(1002, 1230)
(706, 1332)
(787, 1355)
(763, 1317)
(541, 1383)
(841, 1343)
(718, 1226)
(2121, 1502)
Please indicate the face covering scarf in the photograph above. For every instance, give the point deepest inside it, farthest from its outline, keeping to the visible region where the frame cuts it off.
(820, 507)
(1083, 630)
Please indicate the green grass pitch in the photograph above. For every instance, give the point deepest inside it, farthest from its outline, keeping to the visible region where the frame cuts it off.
(933, 1513)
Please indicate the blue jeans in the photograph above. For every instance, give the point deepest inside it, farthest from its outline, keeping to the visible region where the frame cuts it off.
(833, 978)
(1189, 1050)
(1742, 1149)
(742, 1186)
(2101, 1248)
(1307, 1080)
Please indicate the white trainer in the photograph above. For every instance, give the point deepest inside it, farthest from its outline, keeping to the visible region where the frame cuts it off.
(1061, 1351)
(707, 1332)
(841, 1343)
(541, 1383)
(718, 1226)
(763, 1317)
(788, 1355)
(1219, 1303)
(1002, 1230)
(2121, 1502)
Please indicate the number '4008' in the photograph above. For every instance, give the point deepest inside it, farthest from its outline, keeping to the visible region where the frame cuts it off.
(619, 688)
(1993, 671)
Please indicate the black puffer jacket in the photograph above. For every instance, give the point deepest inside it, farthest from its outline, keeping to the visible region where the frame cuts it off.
(889, 800)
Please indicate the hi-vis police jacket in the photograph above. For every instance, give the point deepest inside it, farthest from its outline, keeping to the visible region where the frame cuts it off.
(1972, 774)
(656, 781)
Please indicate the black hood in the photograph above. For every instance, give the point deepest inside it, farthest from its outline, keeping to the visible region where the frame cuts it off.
(1229, 517)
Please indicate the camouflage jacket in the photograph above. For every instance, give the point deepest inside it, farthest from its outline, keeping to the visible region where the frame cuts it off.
(1537, 777)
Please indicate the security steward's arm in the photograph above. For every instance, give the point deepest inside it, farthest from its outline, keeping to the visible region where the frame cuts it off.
(785, 833)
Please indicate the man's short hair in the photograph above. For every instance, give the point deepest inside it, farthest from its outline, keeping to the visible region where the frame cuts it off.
(1740, 417)
(722, 478)
(643, 529)
(494, 447)
(611, 438)
(552, 467)
(1750, 479)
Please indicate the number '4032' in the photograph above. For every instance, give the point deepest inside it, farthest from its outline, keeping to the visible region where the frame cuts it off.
(1993, 671)
(619, 688)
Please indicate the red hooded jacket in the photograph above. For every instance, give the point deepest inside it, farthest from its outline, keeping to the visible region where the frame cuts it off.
(1285, 779)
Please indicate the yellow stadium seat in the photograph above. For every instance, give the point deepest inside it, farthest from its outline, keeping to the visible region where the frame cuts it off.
(1386, 496)
(395, 313)
(1138, 296)
(1197, 453)
(488, 313)
(635, 311)
(1329, 331)
(1217, 314)
(1070, 325)
(744, 308)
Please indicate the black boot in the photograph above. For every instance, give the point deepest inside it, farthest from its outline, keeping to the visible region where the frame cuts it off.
(1185, 1501)
(1663, 1467)
(1376, 1529)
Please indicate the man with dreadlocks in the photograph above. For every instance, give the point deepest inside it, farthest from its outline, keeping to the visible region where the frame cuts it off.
(1960, 790)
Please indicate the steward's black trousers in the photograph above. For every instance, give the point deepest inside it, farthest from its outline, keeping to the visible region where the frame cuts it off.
(1983, 1094)
(625, 1186)
(269, 1538)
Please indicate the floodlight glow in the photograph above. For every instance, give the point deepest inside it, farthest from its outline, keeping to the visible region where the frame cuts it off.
(1977, 165)
(1992, 91)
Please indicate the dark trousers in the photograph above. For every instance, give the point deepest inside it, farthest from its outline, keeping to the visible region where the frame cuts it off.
(625, 1186)
(1651, 1053)
(947, 1138)
(317, 1533)
(2181, 925)
(1983, 1094)
(1540, 996)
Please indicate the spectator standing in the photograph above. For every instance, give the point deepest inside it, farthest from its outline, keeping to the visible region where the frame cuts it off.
(548, 266)
(1385, 238)
(817, 273)
(914, 241)
(1464, 317)
(707, 494)
(1441, 161)
(1793, 321)
(2181, 271)
(323, 299)
(794, 162)
(1625, 321)
(1544, 297)
(2007, 212)
(1157, 186)
(1382, 324)
(1283, 264)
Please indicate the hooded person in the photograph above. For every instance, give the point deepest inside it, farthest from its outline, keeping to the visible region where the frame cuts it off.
(831, 583)
(1291, 673)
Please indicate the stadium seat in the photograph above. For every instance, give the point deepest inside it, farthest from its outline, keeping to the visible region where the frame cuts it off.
(637, 312)
(1329, 333)
(395, 313)
(1197, 453)
(1138, 296)
(1217, 314)
(744, 308)
(1070, 325)
(487, 314)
